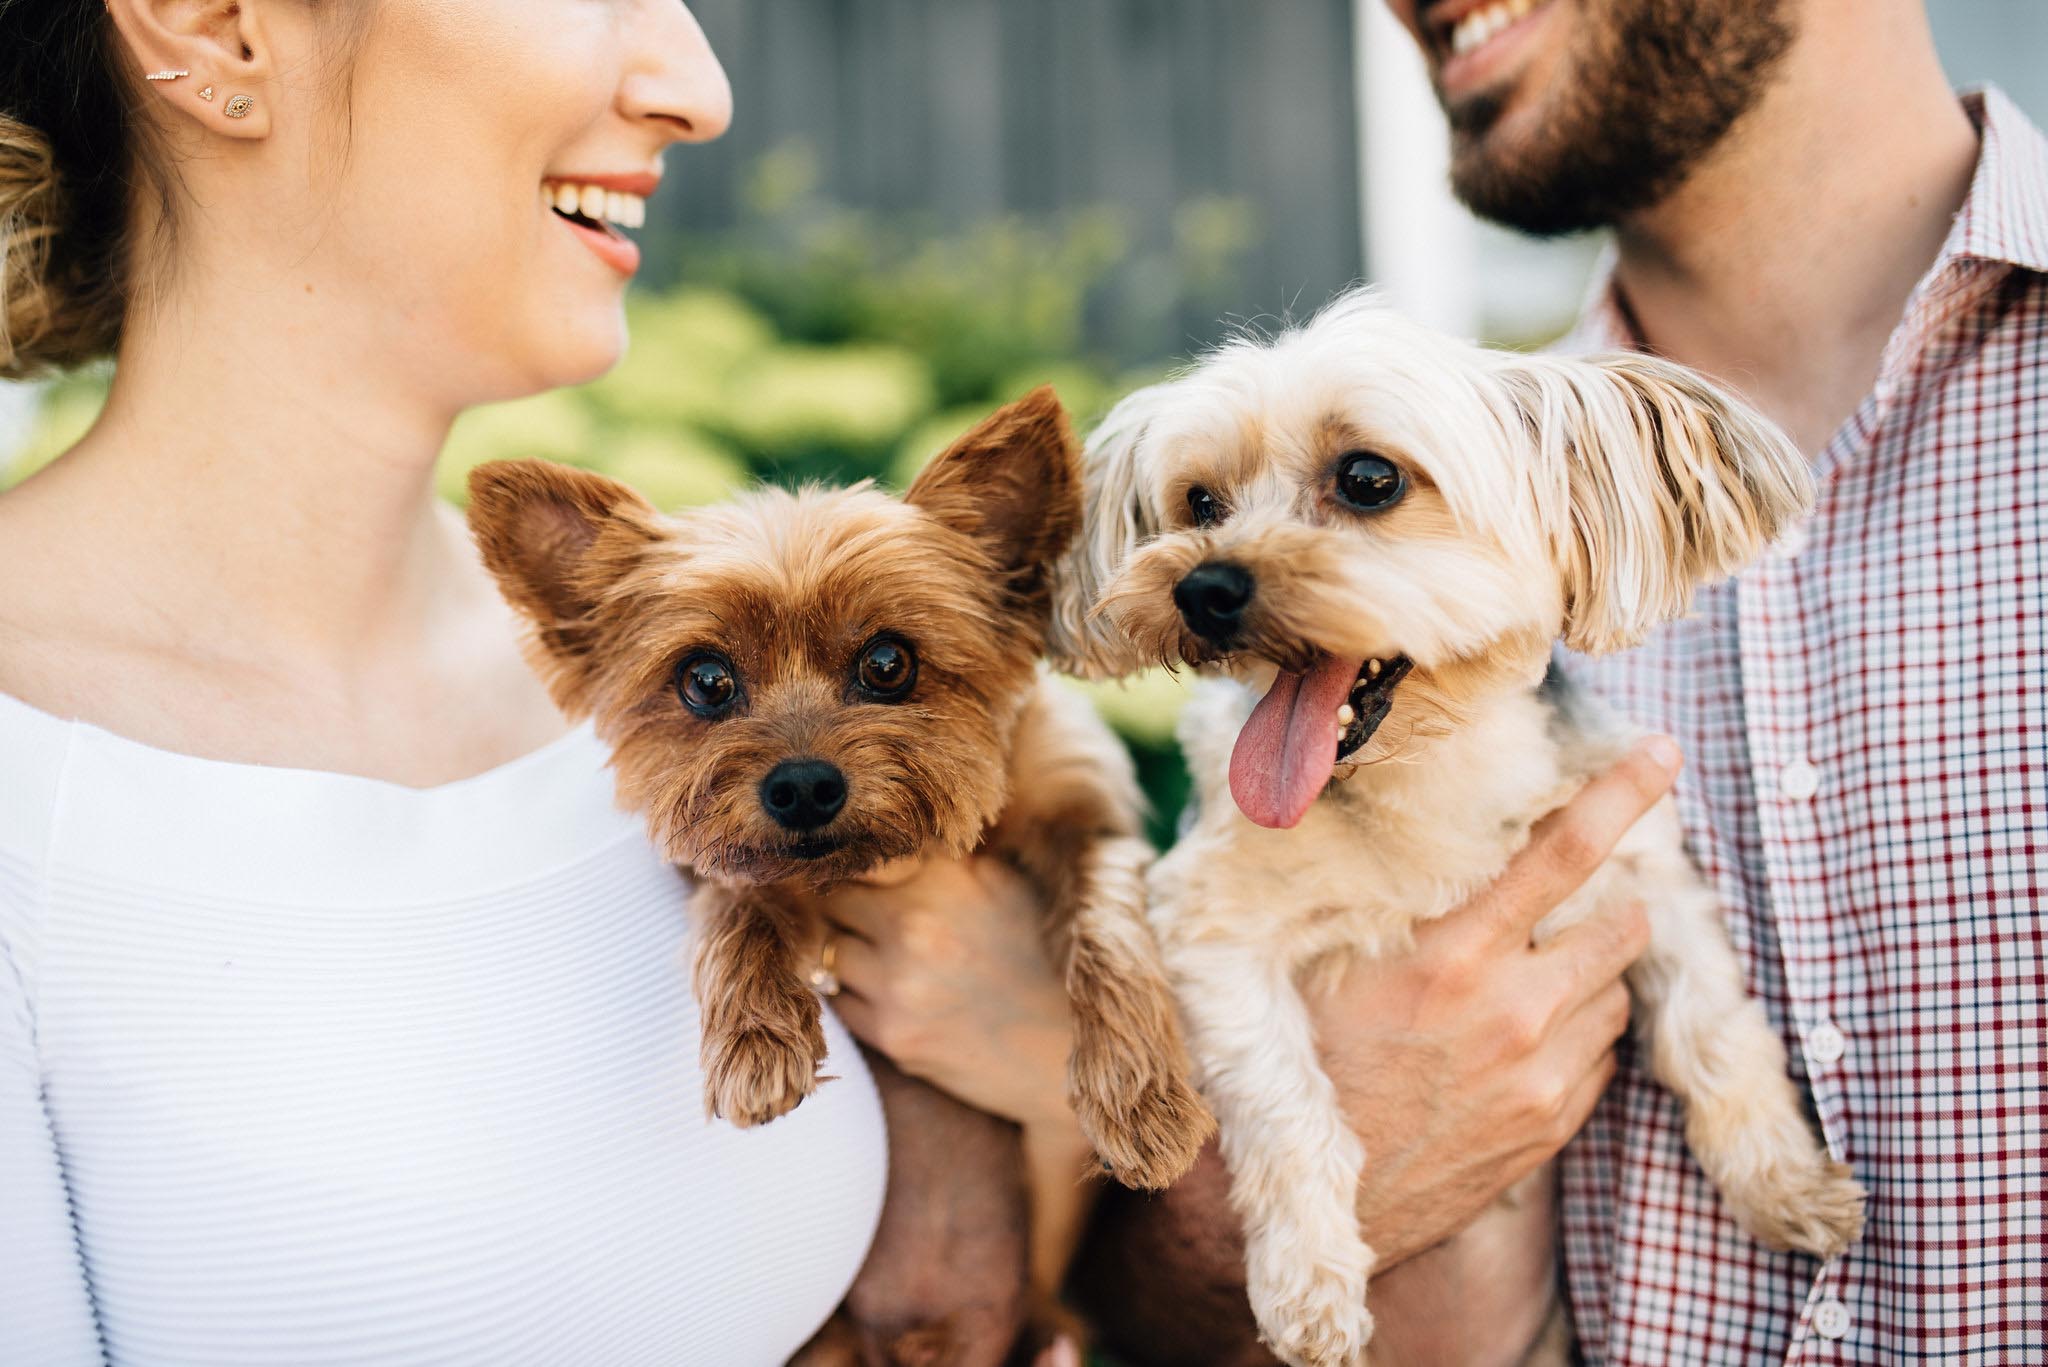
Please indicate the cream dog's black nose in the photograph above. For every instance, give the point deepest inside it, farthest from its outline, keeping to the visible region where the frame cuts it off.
(803, 794)
(1212, 598)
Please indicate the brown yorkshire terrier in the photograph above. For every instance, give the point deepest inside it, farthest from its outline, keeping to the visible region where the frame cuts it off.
(798, 687)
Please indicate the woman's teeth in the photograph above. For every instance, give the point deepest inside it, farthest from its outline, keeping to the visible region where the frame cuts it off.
(595, 202)
(1481, 24)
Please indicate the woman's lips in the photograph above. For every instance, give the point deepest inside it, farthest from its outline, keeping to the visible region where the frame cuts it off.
(622, 254)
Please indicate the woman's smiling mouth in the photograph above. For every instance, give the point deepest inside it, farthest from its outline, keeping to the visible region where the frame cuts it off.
(597, 208)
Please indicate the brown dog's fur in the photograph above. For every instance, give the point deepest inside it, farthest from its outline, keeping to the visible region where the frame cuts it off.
(983, 753)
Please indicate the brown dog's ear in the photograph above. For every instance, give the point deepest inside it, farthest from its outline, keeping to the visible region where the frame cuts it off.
(1013, 484)
(1662, 481)
(555, 536)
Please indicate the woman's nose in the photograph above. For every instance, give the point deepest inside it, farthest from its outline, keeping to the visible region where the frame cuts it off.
(674, 81)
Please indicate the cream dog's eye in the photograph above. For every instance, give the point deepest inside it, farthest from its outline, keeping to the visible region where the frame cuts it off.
(1368, 481)
(1203, 507)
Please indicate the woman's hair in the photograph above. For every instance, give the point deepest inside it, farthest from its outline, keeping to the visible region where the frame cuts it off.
(68, 166)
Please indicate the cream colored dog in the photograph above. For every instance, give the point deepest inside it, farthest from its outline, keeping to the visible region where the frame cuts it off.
(1370, 536)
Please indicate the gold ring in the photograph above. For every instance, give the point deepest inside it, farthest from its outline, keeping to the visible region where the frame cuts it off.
(822, 977)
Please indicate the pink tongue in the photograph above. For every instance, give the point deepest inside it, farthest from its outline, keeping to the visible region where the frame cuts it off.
(1288, 747)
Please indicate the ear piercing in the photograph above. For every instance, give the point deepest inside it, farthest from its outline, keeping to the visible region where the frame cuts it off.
(238, 107)
(206, 93)
(165, 75)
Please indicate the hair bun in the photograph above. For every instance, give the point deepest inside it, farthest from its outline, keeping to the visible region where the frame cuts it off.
(31, 207)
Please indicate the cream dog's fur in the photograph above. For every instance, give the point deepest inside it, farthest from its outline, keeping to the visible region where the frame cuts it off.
(1537, 498)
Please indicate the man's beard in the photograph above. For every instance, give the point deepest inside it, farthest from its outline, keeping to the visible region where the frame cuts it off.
(1648, 90)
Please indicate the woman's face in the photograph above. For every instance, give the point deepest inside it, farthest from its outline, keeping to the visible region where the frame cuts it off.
(469, 126)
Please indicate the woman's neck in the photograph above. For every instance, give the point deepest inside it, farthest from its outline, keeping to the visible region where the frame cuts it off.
(264, 488)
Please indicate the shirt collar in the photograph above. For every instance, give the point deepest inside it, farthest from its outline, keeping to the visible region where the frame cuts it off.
(2005, 216)
(2004, 219)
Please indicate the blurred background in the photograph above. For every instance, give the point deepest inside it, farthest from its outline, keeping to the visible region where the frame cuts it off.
(926, 207)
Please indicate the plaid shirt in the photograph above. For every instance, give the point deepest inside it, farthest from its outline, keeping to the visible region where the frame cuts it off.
(1865, 716)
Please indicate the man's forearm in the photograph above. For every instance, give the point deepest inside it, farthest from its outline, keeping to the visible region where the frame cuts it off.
(1161, 1276)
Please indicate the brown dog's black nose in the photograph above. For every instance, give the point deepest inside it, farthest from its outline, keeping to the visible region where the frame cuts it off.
(803, 794)
(1212, 598)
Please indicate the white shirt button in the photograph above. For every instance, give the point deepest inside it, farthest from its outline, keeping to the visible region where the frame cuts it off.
(1831, 1319)
(1799, 780)
(1825, 1043)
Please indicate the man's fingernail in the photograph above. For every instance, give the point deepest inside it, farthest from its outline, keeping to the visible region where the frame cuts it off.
(1665, 752)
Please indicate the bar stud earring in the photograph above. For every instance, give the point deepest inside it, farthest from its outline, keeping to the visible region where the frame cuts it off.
(165, 75)
(238, 107)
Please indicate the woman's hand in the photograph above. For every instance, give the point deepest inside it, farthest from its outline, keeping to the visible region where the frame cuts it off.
(1466, 1064)
(942, 968)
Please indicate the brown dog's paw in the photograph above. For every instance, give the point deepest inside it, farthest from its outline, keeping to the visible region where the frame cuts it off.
(1147, 1126)
(754, 1076)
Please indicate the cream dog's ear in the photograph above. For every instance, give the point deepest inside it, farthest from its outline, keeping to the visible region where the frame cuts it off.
(1116, 518)
(1656, 481)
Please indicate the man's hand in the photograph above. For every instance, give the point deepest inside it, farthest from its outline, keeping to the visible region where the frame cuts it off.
(1466, 1064)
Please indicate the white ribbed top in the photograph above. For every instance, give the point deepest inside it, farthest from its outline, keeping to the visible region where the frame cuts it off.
(301, 1068)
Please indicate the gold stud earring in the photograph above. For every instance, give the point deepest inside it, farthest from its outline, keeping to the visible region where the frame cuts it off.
(238, 107)
(206, 93)
(165, 75)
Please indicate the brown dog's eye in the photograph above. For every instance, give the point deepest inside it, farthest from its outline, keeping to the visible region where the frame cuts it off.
(886, 669)
(1369, 482)
(1203, 507)
(706, 684)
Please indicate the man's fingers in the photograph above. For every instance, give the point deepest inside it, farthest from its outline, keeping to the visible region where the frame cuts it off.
(1588, 956)
(1589, 1033)
(1569, 844)
(1580, 1101)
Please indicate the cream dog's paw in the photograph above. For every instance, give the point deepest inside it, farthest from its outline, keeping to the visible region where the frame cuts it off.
(1313, 1314)
(1814, 1207)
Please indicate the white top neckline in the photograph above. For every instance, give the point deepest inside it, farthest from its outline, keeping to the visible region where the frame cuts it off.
(378, 841)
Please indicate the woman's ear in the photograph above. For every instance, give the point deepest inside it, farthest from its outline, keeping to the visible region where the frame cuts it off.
(212, 62)
(1114, 522)
(556, 537)
(1658, 481)
(1012, 485)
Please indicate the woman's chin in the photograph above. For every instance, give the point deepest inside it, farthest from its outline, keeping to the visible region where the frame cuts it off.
(579, 351)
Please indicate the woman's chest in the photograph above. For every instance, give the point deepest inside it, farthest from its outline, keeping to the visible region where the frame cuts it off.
(471, 1128)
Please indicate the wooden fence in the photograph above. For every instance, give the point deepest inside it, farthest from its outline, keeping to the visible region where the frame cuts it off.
(951, 111)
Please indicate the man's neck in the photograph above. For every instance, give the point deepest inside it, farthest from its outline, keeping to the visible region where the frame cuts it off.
(1784, 262)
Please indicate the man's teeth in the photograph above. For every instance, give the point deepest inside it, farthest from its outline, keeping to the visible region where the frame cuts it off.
(1481, 24)
(594, 201)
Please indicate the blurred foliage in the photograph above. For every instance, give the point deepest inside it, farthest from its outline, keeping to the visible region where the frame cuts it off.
(820, 343)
